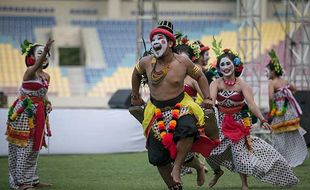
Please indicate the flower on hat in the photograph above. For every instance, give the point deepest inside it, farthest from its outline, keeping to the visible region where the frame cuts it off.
(237, 61)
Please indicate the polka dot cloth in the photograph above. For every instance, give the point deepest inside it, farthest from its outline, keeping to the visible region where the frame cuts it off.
(22, 165)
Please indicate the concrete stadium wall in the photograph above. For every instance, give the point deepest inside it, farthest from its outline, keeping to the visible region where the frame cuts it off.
(87, 131)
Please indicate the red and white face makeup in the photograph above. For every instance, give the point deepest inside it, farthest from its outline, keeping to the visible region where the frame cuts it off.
(37, 54)
(159, 45)
(227, 67)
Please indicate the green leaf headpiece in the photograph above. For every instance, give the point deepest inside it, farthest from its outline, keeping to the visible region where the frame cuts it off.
(26, 46)
(275, 61)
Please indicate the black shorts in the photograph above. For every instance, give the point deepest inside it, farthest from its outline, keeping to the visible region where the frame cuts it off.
(158, 155)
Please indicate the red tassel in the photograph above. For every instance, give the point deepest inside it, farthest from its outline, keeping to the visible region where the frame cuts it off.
(204, 145)
(170, 145)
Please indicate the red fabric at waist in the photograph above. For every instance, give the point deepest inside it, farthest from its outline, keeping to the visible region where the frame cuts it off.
(231, 110)
(234, 130)
(39, 122)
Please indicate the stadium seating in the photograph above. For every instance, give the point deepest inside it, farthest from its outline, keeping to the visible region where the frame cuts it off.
(19, 28)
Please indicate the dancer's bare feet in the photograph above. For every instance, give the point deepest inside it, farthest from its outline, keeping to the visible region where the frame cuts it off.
(206, 169)
(245, 188)
(42, 185)
(201, 175)
(215, 178)
(176, 174)
(26, 187)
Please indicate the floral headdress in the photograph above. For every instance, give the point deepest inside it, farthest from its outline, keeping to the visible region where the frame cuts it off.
(181, 39)
(216, 47)
(275, 61)
(26, 46)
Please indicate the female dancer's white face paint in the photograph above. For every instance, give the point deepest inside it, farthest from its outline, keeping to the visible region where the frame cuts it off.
(159, 45)
(37, 54)
(226, 66)
(267, 73)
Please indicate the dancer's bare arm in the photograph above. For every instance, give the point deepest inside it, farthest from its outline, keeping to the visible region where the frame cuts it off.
(270, 94)
(136, 77)
(214, 90)
(248, 95)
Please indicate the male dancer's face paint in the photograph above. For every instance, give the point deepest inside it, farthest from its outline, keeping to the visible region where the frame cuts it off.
(37, 54)
(159, 45)
(226, 66)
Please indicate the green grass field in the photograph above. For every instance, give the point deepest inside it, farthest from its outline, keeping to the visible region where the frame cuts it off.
(128, 171)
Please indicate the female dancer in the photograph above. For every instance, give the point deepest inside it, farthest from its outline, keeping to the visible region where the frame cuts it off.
(287, 136)
(239, 151)
(26, 119)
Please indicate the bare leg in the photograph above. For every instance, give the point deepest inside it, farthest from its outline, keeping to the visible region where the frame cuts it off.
(244, 181)
(205, 167)
(217, 174)
(183, 146)
(200, 168)
(165, 172)
(26, 186)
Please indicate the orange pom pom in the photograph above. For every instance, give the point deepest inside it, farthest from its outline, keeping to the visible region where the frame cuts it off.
(178, 105)
(158, 113)
(161, 125)
(172, 123)
(175, 114)
(163, 134)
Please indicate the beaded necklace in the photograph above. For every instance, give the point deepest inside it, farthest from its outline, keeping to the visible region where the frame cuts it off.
(229, 82)
(158, 76)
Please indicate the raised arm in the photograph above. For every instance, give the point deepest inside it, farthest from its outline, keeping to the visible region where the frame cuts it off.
(31, 70)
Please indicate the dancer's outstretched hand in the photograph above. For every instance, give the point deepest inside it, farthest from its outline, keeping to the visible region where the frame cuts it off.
(266, 125)
(48, 44)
